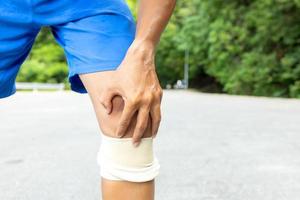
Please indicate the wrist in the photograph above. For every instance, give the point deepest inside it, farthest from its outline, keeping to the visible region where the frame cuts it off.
(144, 42)
(143, 48)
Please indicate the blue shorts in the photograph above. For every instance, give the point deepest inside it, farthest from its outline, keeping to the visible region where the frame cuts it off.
(95, 35)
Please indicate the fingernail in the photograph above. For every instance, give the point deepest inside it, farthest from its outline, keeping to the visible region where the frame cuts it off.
(117, 134)
(135, 144)
(153, 135)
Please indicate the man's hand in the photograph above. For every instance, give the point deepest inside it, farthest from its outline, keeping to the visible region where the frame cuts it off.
(136, 81)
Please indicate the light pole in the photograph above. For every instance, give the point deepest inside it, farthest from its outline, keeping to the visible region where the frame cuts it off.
(186, 68)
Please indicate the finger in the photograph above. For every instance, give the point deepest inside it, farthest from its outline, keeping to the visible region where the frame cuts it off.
(141, 125)
(155, 114)
(106, 99)
(125, 119)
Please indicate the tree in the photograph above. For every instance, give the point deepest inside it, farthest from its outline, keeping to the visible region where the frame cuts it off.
(46, 62)
(249, 47)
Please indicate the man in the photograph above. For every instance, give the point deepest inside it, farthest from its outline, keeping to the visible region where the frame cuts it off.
(108, 56)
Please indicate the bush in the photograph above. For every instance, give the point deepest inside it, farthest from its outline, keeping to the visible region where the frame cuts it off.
(247, 47)
(250, 47)
(46, 63)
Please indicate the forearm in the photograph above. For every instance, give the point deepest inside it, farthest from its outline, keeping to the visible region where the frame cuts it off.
(153, 16)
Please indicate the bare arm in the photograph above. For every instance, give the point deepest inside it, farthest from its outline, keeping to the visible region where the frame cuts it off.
(141, 89)
(153, 16)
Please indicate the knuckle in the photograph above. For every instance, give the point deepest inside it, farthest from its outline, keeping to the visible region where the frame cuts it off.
(134, 100)
(139, 132)
(123, 124)
(145, 110)
(157, 90)
(140, 129)
(147, 99)
(159, 94)
(131, 103)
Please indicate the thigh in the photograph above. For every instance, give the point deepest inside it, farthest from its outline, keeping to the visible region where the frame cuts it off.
(95, 43)
(95, 46)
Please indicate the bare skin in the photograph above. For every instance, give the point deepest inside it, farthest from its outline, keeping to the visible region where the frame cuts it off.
(136, 111)
(108, 123)
(125, 190)
(115, 190)
(135, 79)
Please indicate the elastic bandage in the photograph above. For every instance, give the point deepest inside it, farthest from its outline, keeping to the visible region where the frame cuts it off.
(119, 160)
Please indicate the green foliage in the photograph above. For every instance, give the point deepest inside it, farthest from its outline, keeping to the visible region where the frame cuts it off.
(169, 58)
(250, 47)
(132, 4)
(46, 62)
(247, 47)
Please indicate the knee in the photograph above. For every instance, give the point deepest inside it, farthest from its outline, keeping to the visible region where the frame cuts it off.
(121, 161)
(109, 123)
(118, 158)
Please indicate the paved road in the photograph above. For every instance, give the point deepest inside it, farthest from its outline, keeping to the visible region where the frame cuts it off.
(211, 147)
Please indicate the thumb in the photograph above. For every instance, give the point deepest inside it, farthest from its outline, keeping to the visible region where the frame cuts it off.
(106, 99)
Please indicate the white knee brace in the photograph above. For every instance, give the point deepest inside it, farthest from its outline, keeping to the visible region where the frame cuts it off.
(120, 160)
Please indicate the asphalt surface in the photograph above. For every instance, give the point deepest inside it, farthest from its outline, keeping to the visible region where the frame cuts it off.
(211, 147)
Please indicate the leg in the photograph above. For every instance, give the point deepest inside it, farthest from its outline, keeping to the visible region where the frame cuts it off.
(115, 190)
(95, 46)
(95, 83)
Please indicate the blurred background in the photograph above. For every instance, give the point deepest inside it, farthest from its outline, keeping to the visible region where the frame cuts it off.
(217, 140)
(235, 46)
